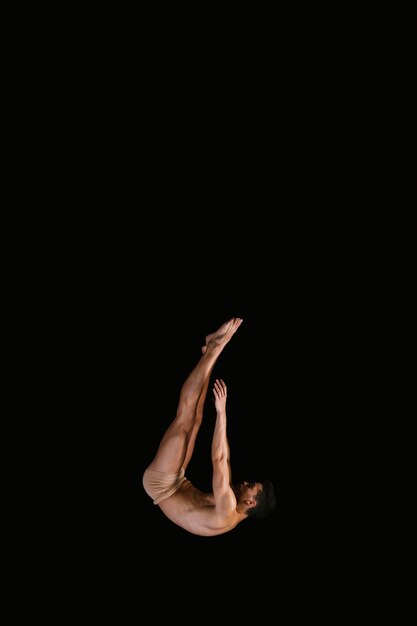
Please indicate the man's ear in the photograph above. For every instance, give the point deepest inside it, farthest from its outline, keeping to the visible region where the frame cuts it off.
(250, 503)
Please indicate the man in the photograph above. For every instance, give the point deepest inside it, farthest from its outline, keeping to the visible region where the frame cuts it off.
(164, 480)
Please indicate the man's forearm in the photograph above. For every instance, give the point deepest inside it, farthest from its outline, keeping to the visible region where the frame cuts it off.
(220, 446)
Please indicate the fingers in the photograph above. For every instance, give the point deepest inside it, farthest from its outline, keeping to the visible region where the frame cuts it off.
(219, 388)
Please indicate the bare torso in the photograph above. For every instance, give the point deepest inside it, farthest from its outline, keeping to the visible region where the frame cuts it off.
(195, 511)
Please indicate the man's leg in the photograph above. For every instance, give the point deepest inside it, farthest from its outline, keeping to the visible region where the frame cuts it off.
(197, 423)
(177, 444)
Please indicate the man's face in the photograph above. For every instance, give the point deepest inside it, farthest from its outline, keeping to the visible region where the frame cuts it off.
(249, 491)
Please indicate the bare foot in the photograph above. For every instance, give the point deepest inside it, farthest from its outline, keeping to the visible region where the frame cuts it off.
(223, 334)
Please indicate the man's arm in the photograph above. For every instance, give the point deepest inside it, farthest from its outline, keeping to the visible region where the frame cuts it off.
(224, 496)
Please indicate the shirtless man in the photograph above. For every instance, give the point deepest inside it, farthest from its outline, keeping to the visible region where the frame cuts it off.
(164, 480)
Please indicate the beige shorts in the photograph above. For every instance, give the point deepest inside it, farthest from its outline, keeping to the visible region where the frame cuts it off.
(161, 485)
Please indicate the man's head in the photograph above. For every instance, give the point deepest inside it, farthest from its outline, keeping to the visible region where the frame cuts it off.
(256, 499)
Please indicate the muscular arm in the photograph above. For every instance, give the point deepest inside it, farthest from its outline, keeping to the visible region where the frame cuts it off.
(220, 453)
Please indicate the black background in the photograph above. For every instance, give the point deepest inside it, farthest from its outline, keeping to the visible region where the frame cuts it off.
(138, 292)
(122, 270)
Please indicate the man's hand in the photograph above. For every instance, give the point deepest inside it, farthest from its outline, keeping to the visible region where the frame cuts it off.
(220, 395)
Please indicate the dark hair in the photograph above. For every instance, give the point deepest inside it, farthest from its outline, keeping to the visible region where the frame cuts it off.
(266, 501)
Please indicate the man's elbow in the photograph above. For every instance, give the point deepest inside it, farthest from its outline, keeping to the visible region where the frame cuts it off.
(219, 456)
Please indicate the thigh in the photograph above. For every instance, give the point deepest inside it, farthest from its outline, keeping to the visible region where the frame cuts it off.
(172, 450)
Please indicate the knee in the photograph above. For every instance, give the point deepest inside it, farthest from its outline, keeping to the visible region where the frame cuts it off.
(188, 417)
